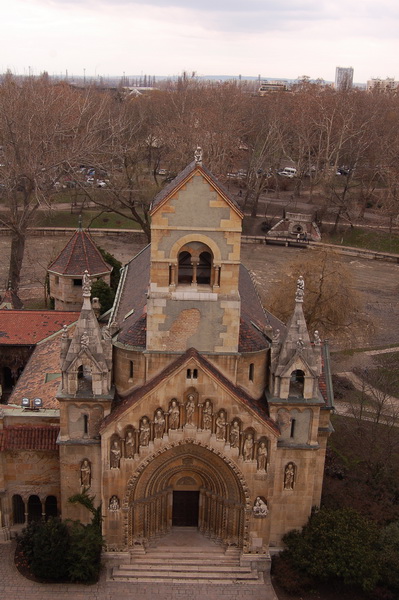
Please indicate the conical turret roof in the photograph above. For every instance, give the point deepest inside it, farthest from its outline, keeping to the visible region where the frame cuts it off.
(80, 255)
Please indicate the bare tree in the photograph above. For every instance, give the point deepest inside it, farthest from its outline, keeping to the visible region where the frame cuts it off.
(331, 304)
(45, 131)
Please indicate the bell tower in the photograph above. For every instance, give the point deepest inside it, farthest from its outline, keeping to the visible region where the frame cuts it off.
(195, 255)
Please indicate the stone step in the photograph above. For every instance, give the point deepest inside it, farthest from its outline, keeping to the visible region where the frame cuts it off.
(178, 558)
(177, 580)
(187, 568)
(179, 566)
(181, 576)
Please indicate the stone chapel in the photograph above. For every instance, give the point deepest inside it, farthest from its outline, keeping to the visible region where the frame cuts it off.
(193, 406)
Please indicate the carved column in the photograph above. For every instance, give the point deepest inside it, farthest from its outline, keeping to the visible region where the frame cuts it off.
(195, 265)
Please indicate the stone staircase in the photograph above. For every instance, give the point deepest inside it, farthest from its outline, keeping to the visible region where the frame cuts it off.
(186, 565)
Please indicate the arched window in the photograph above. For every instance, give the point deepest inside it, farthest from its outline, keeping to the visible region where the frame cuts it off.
(34, 509)
(297, 383)
(18, 509)
(204, 268)
(51, 507)
(185, 268)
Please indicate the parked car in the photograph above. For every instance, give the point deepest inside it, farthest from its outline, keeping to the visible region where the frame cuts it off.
(289, 172)
(162, 172)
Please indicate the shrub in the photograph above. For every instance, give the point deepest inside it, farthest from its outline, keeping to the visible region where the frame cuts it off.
(46, 547)
(85, 552)
(337, 544)
(389, 556)
(288, 577)
(101, 290)
(116, 267)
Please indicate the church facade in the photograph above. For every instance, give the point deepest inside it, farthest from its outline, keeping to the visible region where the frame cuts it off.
(194, 406)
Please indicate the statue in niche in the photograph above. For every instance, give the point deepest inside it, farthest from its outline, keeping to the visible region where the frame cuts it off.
(85, 474)
(159, 424)
(260, 509)
(248, 447)
(174, 415)
(207, 415)
(84, 339)
(289, 476)
(115, 455)
(262, 456)
(317, 339)
(114, 503)
(221, 426)
(144, 432)
(129, 444)
(235, 434)
(190, 409)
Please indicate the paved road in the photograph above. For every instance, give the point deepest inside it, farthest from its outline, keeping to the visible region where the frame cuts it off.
(13, 586)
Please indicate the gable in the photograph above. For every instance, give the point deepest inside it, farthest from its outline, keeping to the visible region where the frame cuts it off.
(182, 183)
(190, 374)
(297, 361)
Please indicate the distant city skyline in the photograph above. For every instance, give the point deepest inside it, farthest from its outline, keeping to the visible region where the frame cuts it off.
(285, 39)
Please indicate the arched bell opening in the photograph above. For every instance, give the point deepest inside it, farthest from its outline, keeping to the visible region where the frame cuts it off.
(195, 266)
(187, 485)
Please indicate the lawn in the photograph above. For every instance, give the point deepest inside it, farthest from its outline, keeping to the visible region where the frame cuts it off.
(364, 238)
(90, 218)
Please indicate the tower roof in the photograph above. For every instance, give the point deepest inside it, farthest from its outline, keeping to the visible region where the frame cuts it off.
(80, 254)
(182, 179)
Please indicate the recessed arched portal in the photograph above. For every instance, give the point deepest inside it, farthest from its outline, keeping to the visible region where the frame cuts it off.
(218, 495)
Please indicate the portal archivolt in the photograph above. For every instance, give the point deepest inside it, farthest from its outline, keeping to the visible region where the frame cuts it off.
(187, 467)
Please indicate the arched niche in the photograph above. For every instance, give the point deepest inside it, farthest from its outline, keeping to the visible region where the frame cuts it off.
(297, 383)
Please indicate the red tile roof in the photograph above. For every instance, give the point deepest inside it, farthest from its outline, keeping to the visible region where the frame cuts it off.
(80, 254)
(28, 327)
(29, 437)
(41, 377)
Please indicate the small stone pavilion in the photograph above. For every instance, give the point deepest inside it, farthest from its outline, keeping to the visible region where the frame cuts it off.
(67, 270)
(194, 406)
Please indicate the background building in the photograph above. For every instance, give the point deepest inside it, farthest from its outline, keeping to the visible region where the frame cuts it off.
(343, 78)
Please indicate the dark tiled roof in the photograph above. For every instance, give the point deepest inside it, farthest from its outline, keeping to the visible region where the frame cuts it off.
(80, 254)
(41, 377)
(254, 318)
(11, 300)
(181, 179)
(136, 334)
(258, 406)
(27, 327)
(29, 437)
(130, 310)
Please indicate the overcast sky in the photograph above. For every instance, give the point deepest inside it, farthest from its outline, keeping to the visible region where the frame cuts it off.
(270, 38)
